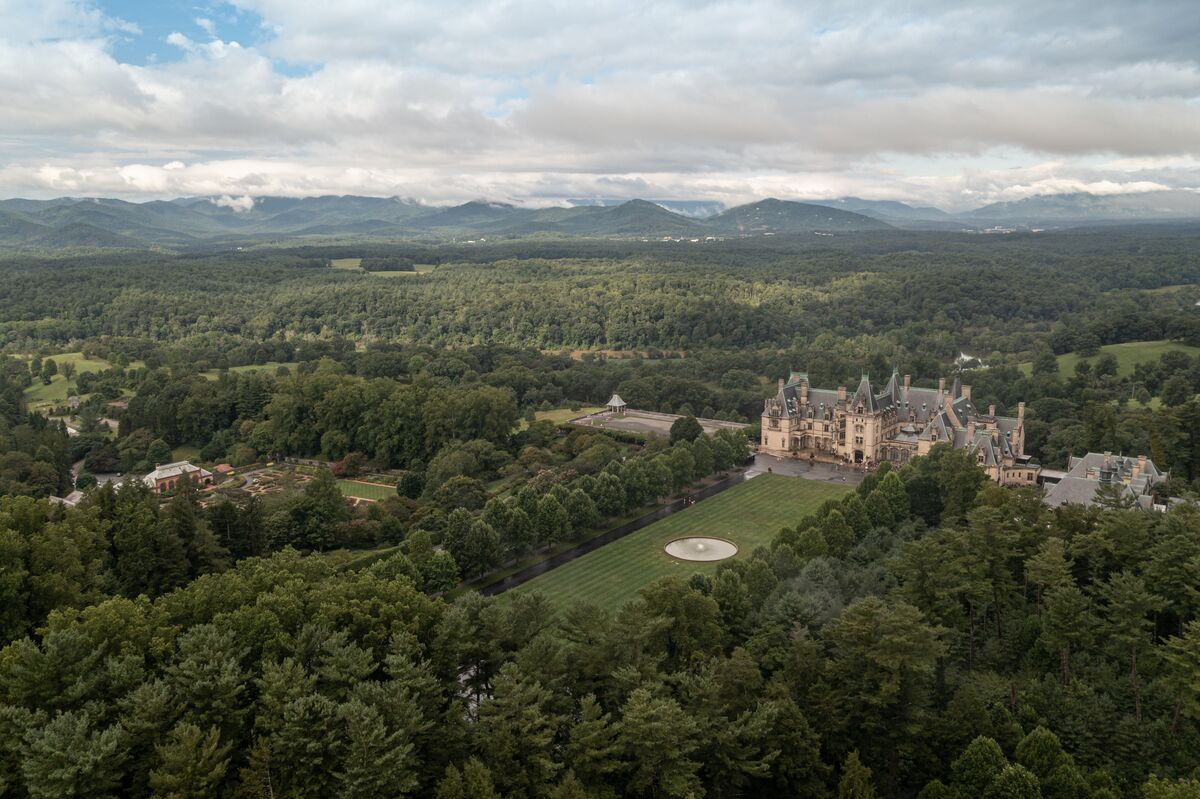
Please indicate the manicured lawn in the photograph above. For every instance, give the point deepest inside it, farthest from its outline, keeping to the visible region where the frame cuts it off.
(748, 514)
(566, 414)
(1127, 356)
(357, 488)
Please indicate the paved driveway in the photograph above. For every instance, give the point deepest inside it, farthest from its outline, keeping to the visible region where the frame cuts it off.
(800, 467)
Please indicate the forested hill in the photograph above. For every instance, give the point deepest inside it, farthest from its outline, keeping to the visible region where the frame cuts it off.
(106, 223)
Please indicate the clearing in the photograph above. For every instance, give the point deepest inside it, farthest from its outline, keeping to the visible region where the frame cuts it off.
(1127, 356)
(749, 514)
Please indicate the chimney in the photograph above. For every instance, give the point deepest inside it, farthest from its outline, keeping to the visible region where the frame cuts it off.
(966, 391)
(804, 393)
(941, 385)
(781, 383)
(1141, 466)
(991, 410)
(841, 393)
(1020, 411)
(907, 381)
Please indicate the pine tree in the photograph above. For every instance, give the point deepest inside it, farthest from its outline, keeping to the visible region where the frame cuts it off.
(1067, 624)
(592, 751)
(1014, 782)
(856, 779)
(1127, 609)
(68, 758)
(516, 733)
(659, 738)
(376, 764)
(191, 764)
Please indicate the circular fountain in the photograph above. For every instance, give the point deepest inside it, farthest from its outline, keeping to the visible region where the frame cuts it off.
(701, 548)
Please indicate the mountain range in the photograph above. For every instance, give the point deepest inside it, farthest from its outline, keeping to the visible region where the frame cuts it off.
(201, 222)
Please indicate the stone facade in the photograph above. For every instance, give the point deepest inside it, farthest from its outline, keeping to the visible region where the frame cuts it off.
(894, 425)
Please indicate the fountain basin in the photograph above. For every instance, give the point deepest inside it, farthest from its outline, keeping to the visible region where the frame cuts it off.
(701, 549)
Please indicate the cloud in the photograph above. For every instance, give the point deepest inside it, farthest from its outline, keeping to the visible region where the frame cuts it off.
(532, 102)
(239, 204)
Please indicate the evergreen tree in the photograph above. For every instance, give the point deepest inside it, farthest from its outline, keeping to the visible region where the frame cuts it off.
(856, 779)
(69, 758)
(376, 764)
(659, 738)
(192, 764)
(517, 728)
(978, 766)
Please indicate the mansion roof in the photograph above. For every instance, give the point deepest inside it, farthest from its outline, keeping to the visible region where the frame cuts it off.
(923, 414)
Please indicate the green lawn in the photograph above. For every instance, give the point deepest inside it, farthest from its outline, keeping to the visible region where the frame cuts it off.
(1127, 356)
(375, 491)
(39, 395)
(346, 263)
(266, 368)
(748, 514)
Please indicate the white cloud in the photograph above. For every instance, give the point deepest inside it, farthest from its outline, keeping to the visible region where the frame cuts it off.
(239, 204)
(925, 101)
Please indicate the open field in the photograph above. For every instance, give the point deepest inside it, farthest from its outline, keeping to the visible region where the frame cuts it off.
(39, 395)
(1127, 356)
(361, 490)
(748, 514)
(266, 368)
(346, 263)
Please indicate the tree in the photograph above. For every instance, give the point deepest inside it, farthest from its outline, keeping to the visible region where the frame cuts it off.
(658, 739)
(1014, 782)
(377, 764)
(192, 763)
(159, 452)
(67, 757)
(552, 524)
(1128, 604)
(1067, 624)
(1041, 752)
(685, 428)
(978, 767)
(856, 779)
(582, 511)
(517, 728)
(1176, 391)
(481, 550)
(593, 751)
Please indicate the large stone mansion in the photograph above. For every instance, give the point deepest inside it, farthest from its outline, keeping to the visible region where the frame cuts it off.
(894, 425)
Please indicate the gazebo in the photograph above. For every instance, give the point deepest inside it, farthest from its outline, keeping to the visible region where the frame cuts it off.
(616, 404)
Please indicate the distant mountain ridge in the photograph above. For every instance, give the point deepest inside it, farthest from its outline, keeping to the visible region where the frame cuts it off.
(190, 222)
(199, 221)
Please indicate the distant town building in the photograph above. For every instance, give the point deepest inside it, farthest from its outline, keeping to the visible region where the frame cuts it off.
(167, 477)
(73, 402)
(1134, 476)
(616, 404)
(894, 425)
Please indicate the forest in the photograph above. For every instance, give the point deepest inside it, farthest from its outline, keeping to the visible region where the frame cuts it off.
(930, 634)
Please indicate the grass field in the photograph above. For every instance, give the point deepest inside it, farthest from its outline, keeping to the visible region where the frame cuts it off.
(346, 263)
(1127, 356)
(40, 395)
(266, 368)
(375, 491)
(748, 514)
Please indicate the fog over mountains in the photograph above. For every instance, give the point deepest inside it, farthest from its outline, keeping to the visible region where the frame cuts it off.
(194, 222)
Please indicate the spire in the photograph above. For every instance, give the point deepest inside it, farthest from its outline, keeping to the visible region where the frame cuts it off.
(864, 396)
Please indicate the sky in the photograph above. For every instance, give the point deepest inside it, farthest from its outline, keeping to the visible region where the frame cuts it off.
(954, 103)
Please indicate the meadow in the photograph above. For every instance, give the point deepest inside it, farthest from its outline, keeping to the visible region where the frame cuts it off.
(749, 515)
(1127, 355)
